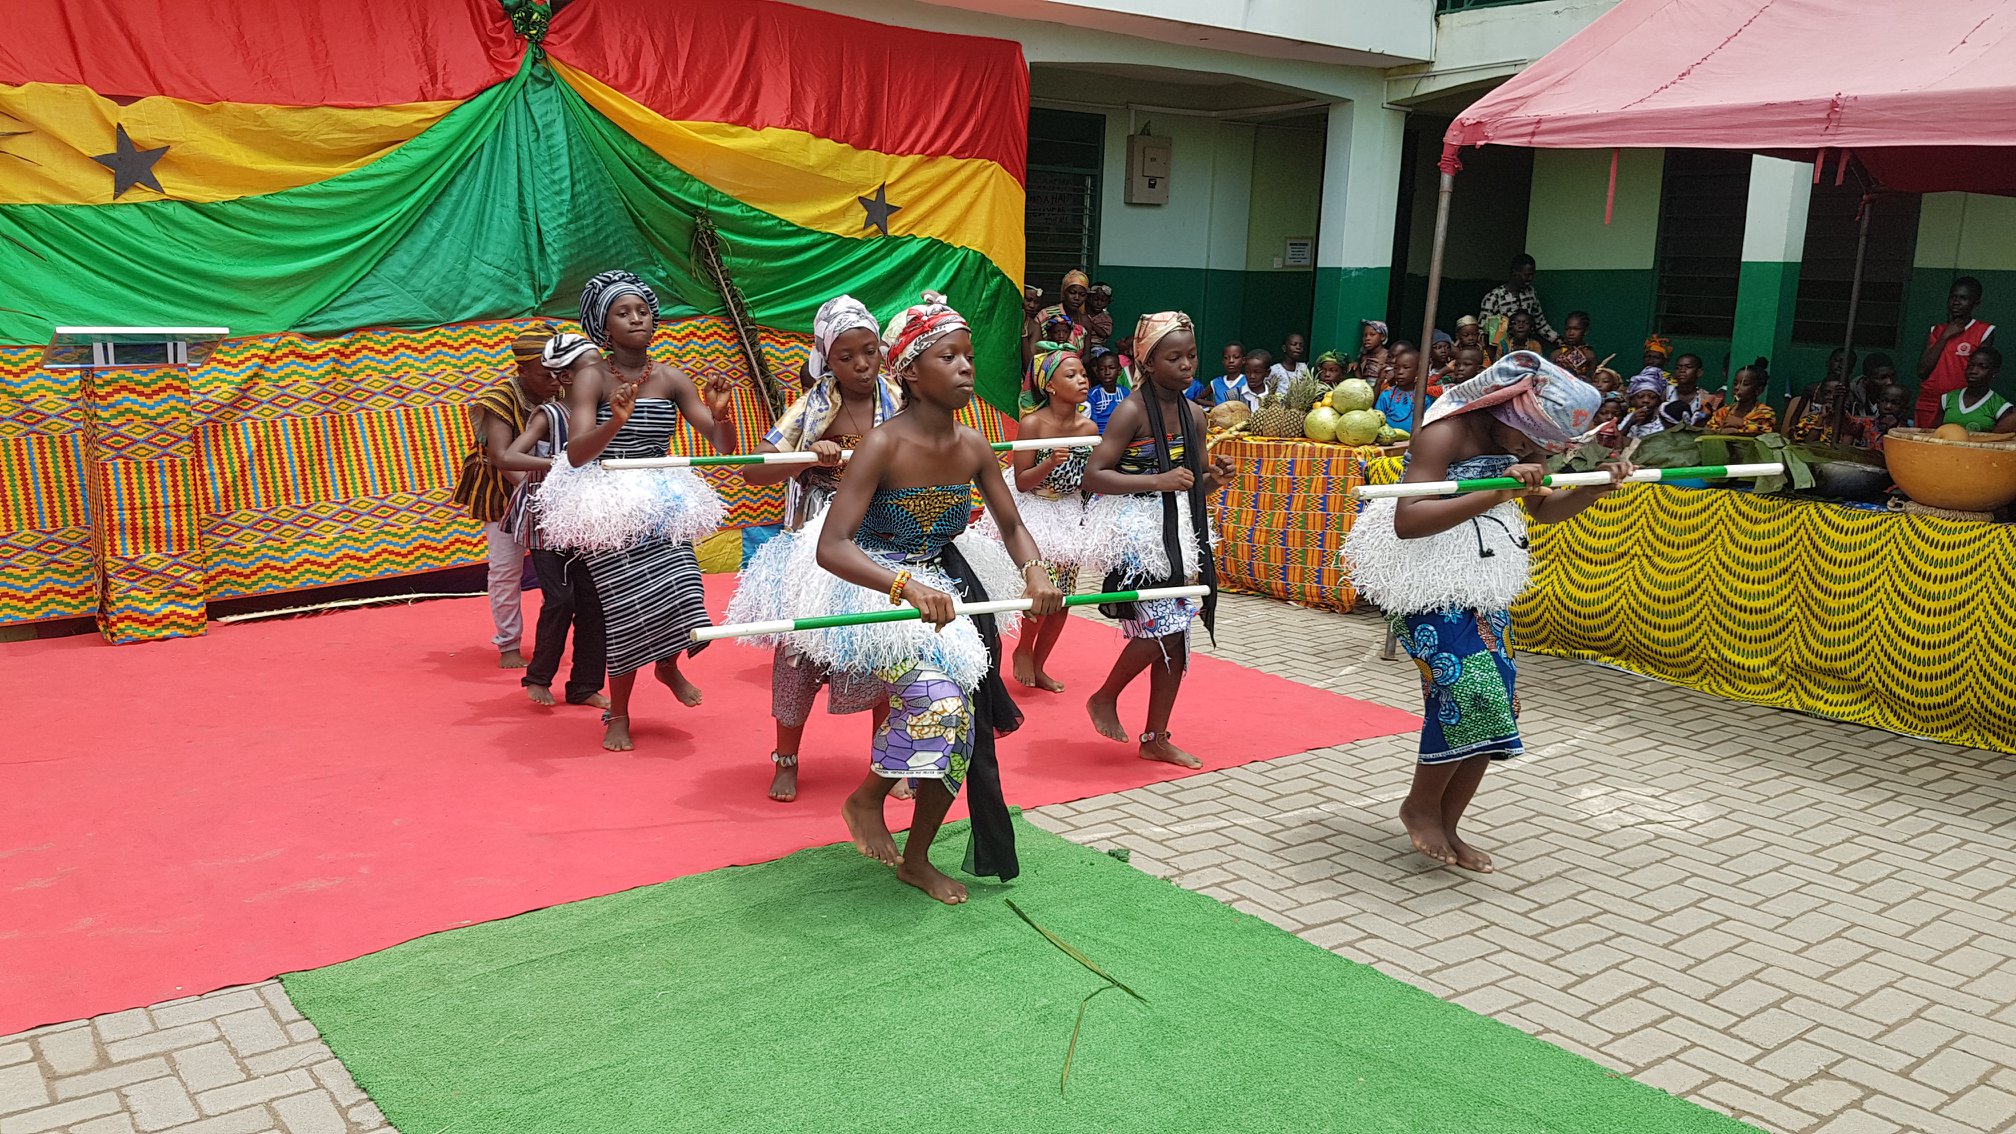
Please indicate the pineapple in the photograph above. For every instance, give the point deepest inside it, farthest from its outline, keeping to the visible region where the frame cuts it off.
(1303, 392)
(1275, 419)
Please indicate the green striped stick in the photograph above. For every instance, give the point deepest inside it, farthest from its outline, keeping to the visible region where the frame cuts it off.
(1563, 480)
(807, 458)
(910, 613)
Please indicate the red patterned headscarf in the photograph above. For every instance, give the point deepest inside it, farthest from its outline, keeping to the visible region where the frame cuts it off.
(912, 333)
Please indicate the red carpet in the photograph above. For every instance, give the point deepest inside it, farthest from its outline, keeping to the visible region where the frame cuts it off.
(180, 816)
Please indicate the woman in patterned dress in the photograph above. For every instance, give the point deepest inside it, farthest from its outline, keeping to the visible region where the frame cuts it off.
(849, 396)
(888, 537)
(636, 528)
(1049, 494)
(1447, 569)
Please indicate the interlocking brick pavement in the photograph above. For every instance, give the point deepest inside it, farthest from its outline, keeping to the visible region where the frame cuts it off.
(237, 1061)
(1806, 924)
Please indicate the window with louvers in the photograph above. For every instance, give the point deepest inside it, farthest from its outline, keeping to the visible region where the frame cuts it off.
(1061, 217)
(1702, 202)
(1827, 267)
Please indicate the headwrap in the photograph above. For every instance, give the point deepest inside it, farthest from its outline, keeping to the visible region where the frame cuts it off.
(601, 294)
(1660, 343)
(836, 317)
(1376, 325)
(1528, 393)
(1328, 356)
(1042, 369)
(528, 346)
(1054, 314)
(912, 333)
(563, 351)
(1649, 380)
(1077, 276)
(1031, 291)
(1151, 330)
(1104, 291)
(1467, 321)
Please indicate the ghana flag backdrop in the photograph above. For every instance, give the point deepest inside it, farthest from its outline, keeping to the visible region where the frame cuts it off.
(320, 174)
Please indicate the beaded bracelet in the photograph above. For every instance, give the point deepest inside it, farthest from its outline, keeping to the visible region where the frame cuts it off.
(896, 588)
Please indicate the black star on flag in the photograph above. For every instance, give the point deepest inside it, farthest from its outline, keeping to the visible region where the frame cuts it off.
(130, 166)
(878, 209)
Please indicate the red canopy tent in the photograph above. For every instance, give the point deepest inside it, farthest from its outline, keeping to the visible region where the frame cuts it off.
(1921, 93)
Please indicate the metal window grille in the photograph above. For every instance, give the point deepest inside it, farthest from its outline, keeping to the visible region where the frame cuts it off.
(1702, 202)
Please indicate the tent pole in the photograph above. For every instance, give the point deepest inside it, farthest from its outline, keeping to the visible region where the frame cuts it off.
(1854, 303)
(1445, 190)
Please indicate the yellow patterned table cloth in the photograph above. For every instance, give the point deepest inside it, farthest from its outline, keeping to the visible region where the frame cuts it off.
(1282, 520)
(1903, 622)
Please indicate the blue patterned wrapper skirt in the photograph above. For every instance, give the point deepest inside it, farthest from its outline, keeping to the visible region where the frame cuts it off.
(1468, 683)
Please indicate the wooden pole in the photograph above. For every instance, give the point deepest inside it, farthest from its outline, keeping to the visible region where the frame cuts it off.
(1443, 192)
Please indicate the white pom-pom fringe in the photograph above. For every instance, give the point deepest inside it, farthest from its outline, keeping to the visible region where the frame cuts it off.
(1438, 572)
(1056, 524)
(592, 508)
(1124, 533)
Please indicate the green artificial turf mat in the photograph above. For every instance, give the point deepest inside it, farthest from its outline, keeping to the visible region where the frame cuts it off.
(816, 993)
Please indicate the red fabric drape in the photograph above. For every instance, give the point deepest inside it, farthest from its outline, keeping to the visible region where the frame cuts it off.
(761, 64)
(286, 52)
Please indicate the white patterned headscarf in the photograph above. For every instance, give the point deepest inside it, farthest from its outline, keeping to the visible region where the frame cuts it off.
(836, 317)
(601, 294)
(1528, 393)
(912, 333)
(813, 413)
(564, 350)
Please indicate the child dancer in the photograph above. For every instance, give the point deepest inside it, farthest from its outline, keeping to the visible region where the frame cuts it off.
(1150, 526)
(1447, 569)
(893, 535)
(1049, 494)
(849, 397)
(635, 529)
(566, 594)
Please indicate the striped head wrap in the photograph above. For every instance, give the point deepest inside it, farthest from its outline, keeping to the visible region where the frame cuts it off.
(1528, 393)
(562, 351)
(601, 294)
(530, 345)
(912, 333)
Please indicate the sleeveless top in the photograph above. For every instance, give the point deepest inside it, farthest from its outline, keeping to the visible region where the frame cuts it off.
(1139, 457)
(520, 520)
(913, 525)
(809, 492)
(648, 433)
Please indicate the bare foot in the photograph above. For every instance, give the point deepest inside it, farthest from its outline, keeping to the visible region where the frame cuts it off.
(668, 674)
(1169, 754)
(1025, 668)
(616, 733)
(784, 785)
(902, 790)
(1048, 683)
(919, 872)
(869, 830)
(1425, 829)
(592, 700)
(510, 659)
(539, 694)
(1106, 717)
(1469, 857)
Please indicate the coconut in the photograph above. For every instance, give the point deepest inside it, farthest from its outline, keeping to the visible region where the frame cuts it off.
(1321, 424)
(1352, 394)
(1360, 427)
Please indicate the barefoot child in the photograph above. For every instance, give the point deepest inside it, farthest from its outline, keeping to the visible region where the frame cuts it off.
(1150, 524)
(635, 528)
(1049, 494)
(567, 596)
(893, 535)
(849, 397)
(1447, 569)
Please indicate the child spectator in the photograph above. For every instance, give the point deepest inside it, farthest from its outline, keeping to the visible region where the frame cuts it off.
(1396, 401)
(1372, 351)
(1644, 396)
(1747, 415)
(1260, 375)
(1107, 389)
(1234, 358)
(1608, 415)
(1330, 368)
(1441, 350)
(1865, 394)
(1976, 405)
(1294, 359)
(1468, 362)
(1658, 351)
(1688, 406)
(1237, 386)
(1470, 333)
(1608, 382)
(1575, 355)
(1520, 335)
(1098, 323)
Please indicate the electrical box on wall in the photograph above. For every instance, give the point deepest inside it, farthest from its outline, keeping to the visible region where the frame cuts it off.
(1148, 162)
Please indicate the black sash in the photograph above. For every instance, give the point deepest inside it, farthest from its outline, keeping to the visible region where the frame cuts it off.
(990, 847)
(1172, 544)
